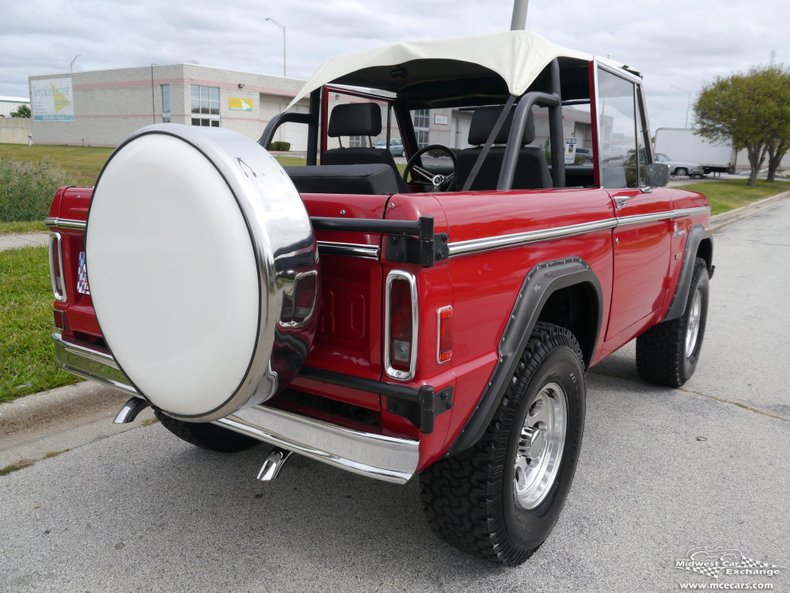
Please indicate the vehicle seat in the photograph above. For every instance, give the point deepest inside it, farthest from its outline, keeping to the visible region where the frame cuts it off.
(359, 119)
(532, 170)
(369, 179)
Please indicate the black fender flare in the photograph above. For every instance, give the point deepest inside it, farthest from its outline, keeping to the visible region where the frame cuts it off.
(697, 234)
(541, 282)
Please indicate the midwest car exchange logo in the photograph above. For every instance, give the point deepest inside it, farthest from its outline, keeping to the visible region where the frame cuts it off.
(715, 563)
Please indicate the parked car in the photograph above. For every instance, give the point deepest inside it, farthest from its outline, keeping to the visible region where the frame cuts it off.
(396, 146)
(431, 325)
(680, 168)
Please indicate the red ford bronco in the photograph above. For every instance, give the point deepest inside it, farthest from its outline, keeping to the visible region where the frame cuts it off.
(437, 322)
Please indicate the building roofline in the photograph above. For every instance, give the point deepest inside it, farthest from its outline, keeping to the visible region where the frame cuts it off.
(299, 81)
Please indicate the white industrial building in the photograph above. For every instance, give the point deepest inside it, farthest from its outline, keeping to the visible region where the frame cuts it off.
(11, 104)
(101, 108)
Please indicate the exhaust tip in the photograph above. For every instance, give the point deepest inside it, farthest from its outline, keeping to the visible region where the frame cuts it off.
(130, 410)
(273, 463)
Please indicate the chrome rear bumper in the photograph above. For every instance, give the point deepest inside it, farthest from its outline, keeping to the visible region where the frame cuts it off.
(382, 457)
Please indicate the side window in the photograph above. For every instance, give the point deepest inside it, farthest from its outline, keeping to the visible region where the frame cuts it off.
(617, 130)
(577, 130)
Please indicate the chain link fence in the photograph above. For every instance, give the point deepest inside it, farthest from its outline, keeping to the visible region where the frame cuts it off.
(26, 189)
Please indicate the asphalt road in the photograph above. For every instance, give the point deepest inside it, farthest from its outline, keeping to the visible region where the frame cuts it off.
(662, 472)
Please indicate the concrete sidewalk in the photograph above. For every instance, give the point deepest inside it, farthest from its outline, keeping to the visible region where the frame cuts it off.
(17, 240)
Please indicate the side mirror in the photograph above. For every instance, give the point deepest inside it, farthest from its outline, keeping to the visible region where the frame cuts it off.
(657, 175)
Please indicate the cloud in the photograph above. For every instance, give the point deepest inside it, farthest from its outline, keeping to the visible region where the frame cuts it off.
(672, 42)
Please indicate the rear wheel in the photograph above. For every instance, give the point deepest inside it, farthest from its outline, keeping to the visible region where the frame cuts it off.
(681, 172)
(206, 436)
(501, 498)
(667, 353)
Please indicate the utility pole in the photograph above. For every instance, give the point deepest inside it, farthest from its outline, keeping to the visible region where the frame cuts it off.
(71, 64)
(519, 20)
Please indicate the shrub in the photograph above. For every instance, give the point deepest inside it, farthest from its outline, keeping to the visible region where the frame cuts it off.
(26, 189)
(280, 145)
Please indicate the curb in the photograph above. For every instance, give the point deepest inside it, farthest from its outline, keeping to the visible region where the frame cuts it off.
(721, 220)
(46, 408)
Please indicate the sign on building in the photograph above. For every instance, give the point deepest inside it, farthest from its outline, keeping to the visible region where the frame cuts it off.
(52, 99)
(239, 104)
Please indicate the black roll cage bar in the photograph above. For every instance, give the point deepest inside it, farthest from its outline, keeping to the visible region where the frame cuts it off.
(552, 100)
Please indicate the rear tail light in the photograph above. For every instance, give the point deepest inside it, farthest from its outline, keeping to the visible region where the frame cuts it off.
(56, 267)
(400, 325)
(444, 334)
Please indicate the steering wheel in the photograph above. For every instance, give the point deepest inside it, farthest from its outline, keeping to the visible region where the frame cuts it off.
(422, 176)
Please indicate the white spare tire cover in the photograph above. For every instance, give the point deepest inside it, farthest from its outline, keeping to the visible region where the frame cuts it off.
(195, 237)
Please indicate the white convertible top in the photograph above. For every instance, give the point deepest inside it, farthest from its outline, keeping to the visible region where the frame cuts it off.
(518, 57)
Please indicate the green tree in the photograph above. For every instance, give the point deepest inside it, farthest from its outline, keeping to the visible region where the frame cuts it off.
(22, 111)
(752, 111)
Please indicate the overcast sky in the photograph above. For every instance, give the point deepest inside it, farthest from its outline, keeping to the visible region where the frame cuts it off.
(674, 43)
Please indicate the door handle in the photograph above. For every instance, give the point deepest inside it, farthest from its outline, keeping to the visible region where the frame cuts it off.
(621, 201)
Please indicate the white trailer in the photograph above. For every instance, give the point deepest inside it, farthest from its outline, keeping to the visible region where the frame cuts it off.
(682, 144)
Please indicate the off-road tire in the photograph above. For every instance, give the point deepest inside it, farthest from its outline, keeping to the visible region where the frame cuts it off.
(469, 499)
(207, 436)
(661, 351)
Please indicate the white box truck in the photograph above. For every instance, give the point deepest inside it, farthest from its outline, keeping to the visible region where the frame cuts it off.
(682, 144)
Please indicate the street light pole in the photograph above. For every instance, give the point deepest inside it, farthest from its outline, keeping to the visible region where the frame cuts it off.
(71, 64)
(688, 103)
(282, 28)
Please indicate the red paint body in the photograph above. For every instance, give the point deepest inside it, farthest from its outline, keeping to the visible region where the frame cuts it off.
(638, 277)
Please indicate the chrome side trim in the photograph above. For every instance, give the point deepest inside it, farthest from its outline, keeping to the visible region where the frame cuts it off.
(91, 364)
(386, 458)
(487, 243)
(691, 211)
(643, 218)
(415, 324)
(65, 223)
(666, 215)
(373, 455)
(56, 251)
(518, 239)
(350, 249)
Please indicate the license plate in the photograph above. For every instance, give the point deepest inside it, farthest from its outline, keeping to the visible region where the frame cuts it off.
(82, 276)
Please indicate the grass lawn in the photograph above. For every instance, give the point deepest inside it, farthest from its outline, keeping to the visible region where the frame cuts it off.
(81, 163)
(22, 227)
(27, 363)
(728, 194)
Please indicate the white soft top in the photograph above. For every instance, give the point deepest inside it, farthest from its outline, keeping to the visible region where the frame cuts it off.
(518, 57)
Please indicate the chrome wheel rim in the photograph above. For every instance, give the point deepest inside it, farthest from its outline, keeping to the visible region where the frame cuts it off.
(692, 328)
(540, 446)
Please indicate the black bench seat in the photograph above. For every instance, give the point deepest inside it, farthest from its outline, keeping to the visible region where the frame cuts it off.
(367, 179)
